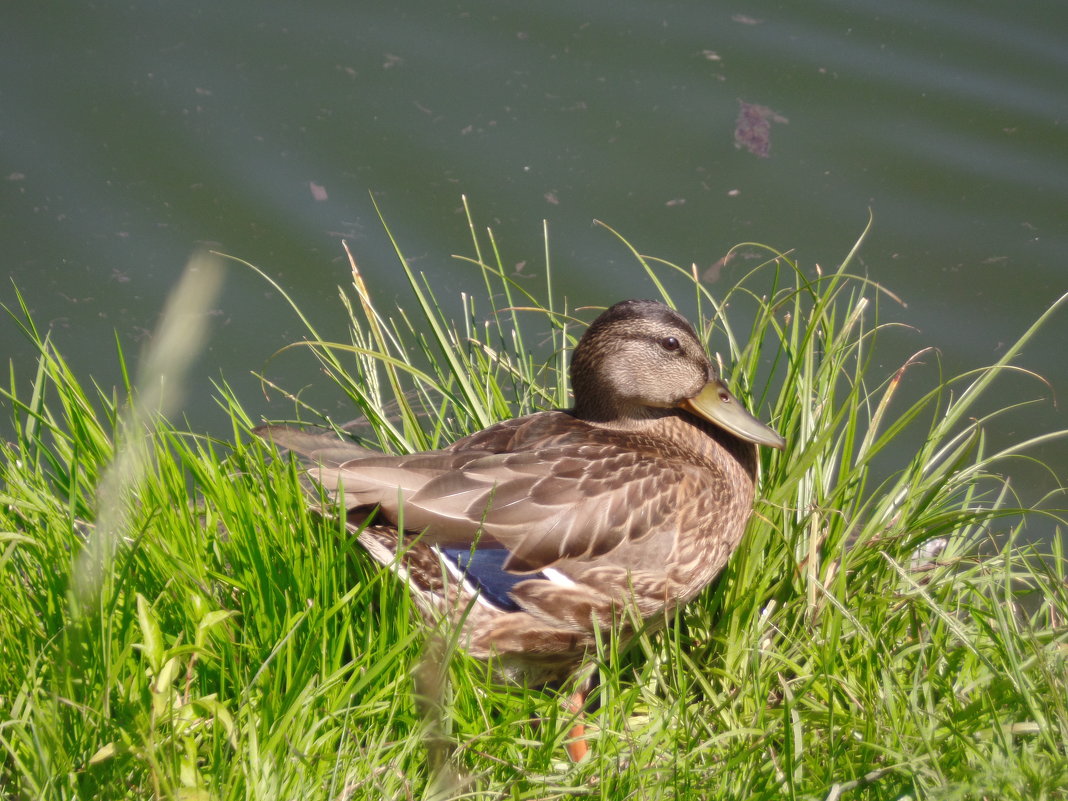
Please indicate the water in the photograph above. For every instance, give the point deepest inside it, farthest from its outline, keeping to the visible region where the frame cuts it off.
(133, 133)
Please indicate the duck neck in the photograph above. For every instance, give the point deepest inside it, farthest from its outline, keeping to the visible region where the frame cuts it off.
(678, 428)
(624, 417)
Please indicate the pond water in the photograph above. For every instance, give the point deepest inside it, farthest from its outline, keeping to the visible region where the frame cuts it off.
(133, 133)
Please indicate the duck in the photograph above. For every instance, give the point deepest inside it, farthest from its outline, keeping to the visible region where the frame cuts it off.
(536, 536)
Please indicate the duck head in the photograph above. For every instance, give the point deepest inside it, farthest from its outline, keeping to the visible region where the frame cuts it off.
(640, 358)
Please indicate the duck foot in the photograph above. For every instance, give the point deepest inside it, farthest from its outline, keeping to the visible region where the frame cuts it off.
(576, 746)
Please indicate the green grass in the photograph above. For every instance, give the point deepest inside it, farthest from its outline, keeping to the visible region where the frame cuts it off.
(176, 624)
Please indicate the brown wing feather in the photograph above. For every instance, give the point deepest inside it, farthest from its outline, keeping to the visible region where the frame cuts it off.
(562, 489)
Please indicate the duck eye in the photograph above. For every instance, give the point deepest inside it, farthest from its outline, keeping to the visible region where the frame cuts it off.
(670, 344)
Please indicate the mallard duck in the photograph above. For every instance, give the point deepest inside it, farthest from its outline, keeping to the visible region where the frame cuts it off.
(535, 535)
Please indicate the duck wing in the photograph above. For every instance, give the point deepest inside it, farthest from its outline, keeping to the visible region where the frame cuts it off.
(547, 487)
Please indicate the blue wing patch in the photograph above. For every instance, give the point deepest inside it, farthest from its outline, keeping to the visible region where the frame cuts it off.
(484, 568)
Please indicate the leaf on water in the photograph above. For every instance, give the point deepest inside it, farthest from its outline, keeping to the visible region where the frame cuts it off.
(753, 128)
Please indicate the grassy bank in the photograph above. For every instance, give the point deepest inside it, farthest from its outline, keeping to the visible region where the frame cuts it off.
(176, 624)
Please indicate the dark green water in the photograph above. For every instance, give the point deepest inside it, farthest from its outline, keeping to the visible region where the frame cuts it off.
(133, 132)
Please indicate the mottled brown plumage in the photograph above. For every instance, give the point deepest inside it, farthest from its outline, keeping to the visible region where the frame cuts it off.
(621, 508)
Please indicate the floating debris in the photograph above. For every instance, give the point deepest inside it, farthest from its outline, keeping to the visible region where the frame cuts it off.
(711, 275)
(753, 129)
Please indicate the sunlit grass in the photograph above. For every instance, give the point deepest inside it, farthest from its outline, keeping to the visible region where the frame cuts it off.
(237, 646)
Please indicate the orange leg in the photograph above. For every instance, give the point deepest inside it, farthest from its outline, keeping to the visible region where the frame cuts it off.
(576, 745)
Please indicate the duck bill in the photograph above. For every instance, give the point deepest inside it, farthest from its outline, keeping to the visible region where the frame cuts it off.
(717, 405)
